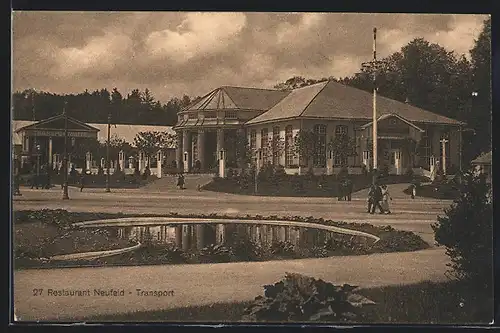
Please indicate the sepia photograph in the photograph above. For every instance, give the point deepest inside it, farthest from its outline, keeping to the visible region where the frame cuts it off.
(251, 167)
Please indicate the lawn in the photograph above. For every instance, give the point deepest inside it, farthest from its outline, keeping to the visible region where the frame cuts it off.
(41, 234)
(96, 181)
(423, 303)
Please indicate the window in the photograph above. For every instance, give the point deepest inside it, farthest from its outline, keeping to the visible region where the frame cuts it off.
(276, 147)
(319, 158)
(193, 115)
(210, 114)
(341, 130)
(424, 150)
(253, 140)
(288, 146)
(230, 115)
(263, 144)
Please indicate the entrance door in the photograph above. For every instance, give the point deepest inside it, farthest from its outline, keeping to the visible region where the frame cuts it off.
(395, 162)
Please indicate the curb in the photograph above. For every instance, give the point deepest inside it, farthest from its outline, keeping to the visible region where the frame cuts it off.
(95, 254)
(147, 221)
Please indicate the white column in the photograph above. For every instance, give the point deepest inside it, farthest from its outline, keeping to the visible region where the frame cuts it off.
(159, 158)
(179, 150)
(201, 148)
(88, 160)
(444, 142)
(222, 163)
(141, 159)
(397, 160)
(432, 167)
(121, 160)
(103, 163)
(220, 140)
(329, 163)
(50, 151)
(187, 153)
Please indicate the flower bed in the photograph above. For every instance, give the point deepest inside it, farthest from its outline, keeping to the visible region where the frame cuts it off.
(63, 238)
(294, 185)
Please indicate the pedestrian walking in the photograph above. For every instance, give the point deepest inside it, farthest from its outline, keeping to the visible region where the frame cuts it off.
(386, 196)
(371, 194)
(82, 181)
(377, 198)
(413, 189)
(180, 181)
(17, 181)
(348, 189)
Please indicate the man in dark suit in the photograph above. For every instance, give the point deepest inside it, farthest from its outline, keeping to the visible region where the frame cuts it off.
(377, 197)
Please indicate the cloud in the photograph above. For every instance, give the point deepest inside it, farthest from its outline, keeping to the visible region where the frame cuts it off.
(198, 34)
(100, 53)
(176, 53)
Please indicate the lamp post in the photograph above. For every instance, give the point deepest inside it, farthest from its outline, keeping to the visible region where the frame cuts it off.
(107, 154)
(65, 161)
(374, 66)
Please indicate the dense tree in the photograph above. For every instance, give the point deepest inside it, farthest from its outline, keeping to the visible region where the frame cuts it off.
(342, 147)
(479, 115)
(153, 141)
(304, 144)
(93, 107)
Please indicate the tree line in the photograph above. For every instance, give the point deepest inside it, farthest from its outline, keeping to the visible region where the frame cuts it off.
(428, 76)
(137, 107)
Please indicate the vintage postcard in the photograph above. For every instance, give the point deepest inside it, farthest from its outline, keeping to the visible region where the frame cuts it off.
(245, 167)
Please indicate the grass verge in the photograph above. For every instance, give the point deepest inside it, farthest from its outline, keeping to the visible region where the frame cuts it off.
(423, 303)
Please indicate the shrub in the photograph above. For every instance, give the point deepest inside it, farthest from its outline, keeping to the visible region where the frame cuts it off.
(215, 253)
(282, 249)
(303, 298)
(466, 230)
(343, 173)
(409, 172)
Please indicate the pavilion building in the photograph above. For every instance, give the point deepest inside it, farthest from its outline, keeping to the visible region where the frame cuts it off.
(215, 122)
(42, 143)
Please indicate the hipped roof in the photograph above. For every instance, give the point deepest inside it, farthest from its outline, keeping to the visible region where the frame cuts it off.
(333, 100)
(231, 98)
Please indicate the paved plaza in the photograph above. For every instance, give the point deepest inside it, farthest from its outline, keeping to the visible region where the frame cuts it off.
(206, 284)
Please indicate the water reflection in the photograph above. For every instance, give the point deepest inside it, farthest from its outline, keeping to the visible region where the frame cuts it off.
(198, 236)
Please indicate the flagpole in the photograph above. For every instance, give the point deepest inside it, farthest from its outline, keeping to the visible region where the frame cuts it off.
(375, 133)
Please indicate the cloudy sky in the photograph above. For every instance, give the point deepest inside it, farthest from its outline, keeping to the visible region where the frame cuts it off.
(180, 53)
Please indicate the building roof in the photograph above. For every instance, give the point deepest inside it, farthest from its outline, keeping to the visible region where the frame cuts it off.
(389, 115)
(228, 97)
(333, 100)
(484, 158)
(128, 132)
(123, 131)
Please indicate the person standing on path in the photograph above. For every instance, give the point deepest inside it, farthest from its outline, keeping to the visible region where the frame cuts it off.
(180, 181)
(82, 181)
(385, 199)
(377, 198)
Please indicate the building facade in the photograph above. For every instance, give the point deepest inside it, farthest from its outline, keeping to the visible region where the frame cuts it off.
(328, 109)
(38, 143)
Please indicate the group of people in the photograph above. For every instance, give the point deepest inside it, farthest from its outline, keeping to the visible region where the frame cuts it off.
(379, 197)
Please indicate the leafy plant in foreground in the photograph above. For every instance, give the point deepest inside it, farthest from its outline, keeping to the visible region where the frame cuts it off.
(303, 298)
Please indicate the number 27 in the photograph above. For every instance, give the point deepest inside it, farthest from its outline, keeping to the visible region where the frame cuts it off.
(37, 292)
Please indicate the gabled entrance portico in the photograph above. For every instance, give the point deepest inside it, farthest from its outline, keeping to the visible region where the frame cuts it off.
(397, 141)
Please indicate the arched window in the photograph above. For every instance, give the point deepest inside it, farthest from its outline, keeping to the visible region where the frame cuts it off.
(319, 159)
(276, 147)
(253, 140)
(289, 146)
